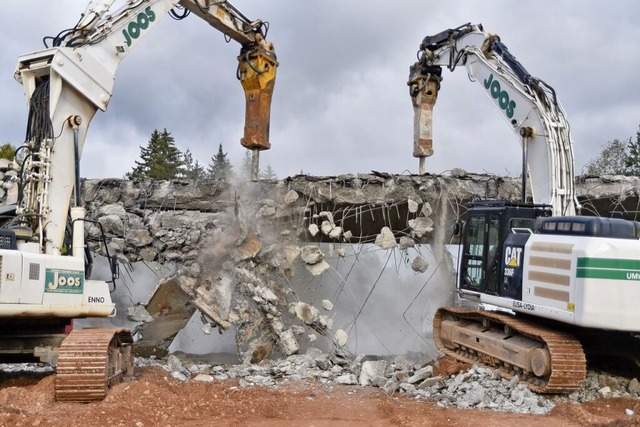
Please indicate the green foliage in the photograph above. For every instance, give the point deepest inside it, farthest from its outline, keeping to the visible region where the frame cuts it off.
(617, 158)
(610, 161)
(632, 161)
(193, 169)
(7, 151)
(268, 173)
(220, 166)
(160, 159)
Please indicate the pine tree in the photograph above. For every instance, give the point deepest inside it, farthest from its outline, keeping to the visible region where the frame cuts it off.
(220, 166)
(268, 173)
(160, 159)
(193, 169)
(632, 161)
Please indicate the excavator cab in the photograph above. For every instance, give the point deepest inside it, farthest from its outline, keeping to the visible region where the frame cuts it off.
(485, 231)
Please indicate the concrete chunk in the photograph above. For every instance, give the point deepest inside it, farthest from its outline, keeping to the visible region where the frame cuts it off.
(373, 372)
(421, 374)
(386, 239)
(311, 254)
(327, 305)
(340, 337)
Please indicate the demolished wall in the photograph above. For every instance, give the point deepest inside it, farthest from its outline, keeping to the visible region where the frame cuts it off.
(239, 247)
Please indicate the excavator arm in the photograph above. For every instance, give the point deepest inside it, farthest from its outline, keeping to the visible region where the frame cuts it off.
(67, 83)
(528, 104)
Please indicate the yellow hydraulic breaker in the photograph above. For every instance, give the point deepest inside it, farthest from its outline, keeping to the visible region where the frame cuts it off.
(257, 73)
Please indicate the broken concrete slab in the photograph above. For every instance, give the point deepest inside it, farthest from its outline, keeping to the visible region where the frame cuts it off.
(171, 308)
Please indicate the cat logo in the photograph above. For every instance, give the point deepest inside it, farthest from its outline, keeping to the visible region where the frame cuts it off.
(512, 256)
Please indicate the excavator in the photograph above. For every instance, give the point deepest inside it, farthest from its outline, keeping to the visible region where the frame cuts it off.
(45, 266)
(543, 290)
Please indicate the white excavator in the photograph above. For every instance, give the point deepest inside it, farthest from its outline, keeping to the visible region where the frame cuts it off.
(44, 263)
(565, 286)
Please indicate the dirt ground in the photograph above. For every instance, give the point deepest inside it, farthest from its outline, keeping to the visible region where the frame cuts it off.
(155, 399)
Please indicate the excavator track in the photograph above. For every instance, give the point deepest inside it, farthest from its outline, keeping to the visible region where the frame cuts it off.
(549, 361)
(90, 361)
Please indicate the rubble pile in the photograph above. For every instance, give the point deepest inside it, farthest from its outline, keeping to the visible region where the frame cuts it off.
(238, 247)
(237, 251)
(477, 387)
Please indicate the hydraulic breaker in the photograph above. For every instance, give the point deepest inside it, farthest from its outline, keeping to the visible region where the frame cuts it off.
(424, 83)
(257, 73)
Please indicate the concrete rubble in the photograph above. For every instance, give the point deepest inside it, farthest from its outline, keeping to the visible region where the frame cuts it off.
(238, 248)
(477, 387)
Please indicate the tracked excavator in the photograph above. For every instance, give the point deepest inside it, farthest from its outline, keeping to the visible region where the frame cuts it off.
(543, 290)
(45, 266)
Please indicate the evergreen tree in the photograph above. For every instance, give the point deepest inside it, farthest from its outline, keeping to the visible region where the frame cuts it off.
(632, 161)
(612, 160)
(193, 169)
(268, 173)
(220, 166)
(7, 151)
(160, 159)
(245, 167)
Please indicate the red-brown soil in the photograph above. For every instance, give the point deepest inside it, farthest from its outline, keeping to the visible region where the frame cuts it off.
(156, 399)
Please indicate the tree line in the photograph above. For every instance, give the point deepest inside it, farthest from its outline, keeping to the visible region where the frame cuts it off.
(618, 157)
(161, 159)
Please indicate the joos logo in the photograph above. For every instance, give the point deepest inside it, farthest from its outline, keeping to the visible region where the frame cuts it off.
(136, 26)
(506, 104)
(64, 281)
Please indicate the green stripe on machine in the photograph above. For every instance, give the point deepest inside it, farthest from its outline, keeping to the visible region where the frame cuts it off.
(587, 273)
(608, 268)
(613, 263)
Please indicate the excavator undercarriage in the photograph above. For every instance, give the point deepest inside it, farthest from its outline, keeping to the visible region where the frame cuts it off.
(549, 361)
(90, 361)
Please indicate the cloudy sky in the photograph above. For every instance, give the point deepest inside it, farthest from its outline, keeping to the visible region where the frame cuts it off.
(341, 103)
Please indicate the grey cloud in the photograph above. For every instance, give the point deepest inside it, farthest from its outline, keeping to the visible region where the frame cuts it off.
(341, 103)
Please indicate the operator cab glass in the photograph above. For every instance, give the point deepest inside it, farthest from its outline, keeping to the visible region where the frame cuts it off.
(486, 228)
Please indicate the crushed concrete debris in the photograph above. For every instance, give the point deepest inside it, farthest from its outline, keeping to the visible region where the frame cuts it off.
(412, 206)
(327, 305)
(419, 265)
(458, 173)
(138, 313)
(420, 226)
(326, 227)
(313, 229)
(478, 387)
(305, 312)
(236, 250)
(406, 242)
(318, 268)
(373, 372)
(340, 338)
(291, 197)
(311, 254)
(386, 239)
